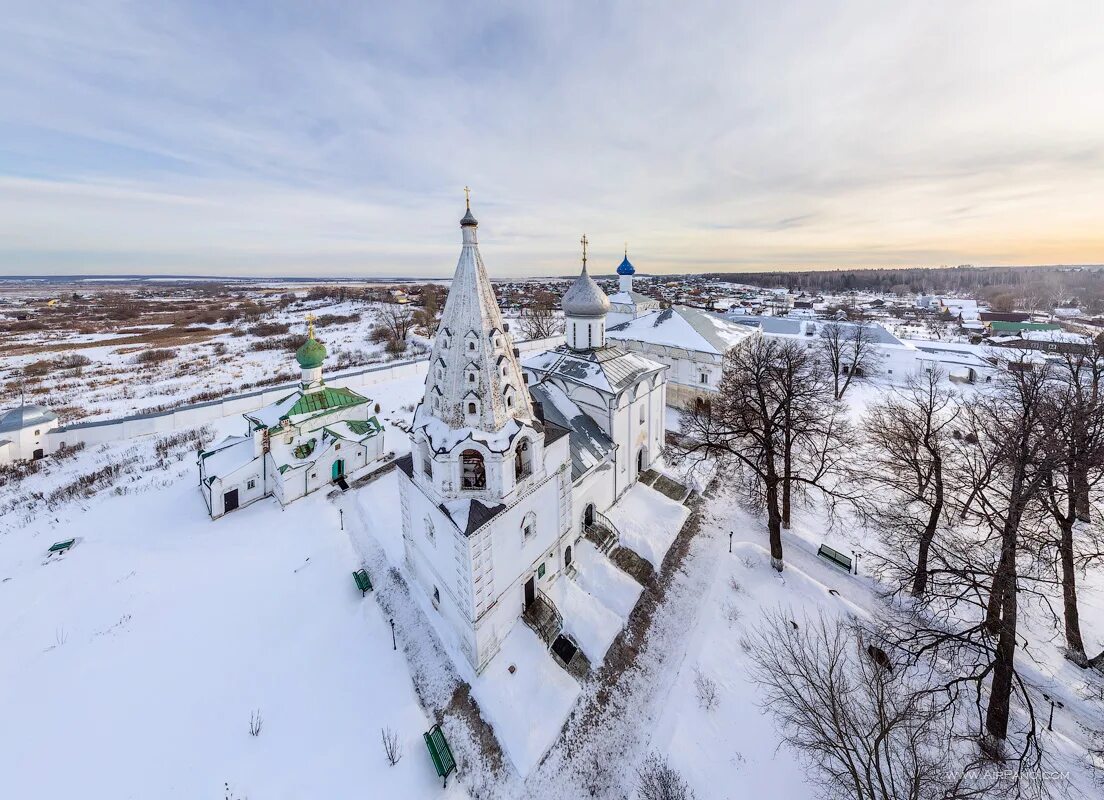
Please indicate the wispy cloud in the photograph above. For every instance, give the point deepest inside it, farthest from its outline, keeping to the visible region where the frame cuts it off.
(328, 139)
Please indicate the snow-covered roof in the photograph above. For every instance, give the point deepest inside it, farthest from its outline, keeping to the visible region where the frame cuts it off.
(792, 326)
(269, 416)
(684, 327)
(227, 457)
(631, 298)
(608, 369)
(472, 350)
(589, 445)
(26, 417)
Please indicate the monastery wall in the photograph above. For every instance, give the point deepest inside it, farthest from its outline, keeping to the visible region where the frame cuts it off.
(165, 422)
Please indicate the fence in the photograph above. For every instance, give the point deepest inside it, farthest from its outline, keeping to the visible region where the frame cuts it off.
(190, 416)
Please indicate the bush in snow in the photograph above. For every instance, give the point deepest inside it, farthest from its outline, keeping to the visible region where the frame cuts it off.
(706, 690)
(391, 747)
(658, 780)
(256, 722)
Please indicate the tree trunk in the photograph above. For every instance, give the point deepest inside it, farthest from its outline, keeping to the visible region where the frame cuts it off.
(1000, 693)
(774, 523)
(1074, 643)
(920, 578)
(786, 466)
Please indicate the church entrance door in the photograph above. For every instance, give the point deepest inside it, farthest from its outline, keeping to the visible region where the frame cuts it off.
(588, 515)
(530, 591)
(640, 460)
(230, 501)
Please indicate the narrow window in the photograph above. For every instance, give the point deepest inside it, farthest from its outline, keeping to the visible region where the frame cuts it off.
(251, 484)
(427, 460)
(471, 345)
(471, 408)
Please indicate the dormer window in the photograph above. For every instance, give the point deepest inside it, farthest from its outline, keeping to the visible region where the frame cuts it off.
(471, 345)
(471, 408)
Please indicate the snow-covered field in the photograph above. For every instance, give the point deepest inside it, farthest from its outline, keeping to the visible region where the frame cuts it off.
(131, 666)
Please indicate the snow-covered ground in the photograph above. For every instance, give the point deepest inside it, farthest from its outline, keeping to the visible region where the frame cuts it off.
(130, 667)
(648, 521)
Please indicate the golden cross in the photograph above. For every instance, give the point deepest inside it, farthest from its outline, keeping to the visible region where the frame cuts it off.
(310, 325)
(467, 197)
(584, 241)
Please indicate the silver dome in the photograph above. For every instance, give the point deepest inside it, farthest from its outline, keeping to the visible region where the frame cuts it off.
(584, 298)
(25, 417)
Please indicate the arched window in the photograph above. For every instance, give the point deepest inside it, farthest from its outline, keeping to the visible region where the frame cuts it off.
(471, 345)
(471, 408)
(523, 460)
(528, 527)
(472, 473)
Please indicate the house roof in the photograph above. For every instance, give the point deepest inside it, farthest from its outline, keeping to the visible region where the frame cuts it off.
(608, 369)
(228, 456)
(588, 444)
(26, 416)
(681, 326)
(300, 404)
(793, 326)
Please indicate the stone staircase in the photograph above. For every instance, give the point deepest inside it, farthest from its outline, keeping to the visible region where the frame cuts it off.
(605, 536)
(542, 616)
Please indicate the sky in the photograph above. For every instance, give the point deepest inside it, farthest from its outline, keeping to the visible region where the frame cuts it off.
(335, 139)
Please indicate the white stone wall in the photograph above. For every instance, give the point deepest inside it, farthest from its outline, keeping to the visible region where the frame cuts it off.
(236, 405)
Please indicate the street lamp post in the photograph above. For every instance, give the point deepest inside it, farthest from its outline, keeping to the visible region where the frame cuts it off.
(394, 646)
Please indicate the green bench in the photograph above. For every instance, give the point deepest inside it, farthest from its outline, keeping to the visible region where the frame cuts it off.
(363, 582)
(835, 556)
(439, 751)
(60, 547)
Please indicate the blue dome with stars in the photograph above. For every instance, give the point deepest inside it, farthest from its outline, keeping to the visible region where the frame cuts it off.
(625, 267)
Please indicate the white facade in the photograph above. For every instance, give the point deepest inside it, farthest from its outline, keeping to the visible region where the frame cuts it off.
(691, 342)
(23, 433)
(313, 437)
(501, 459)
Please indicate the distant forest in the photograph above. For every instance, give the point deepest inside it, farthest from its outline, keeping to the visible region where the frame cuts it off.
(1027, 288)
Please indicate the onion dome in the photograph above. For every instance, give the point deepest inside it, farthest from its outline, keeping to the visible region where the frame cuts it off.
(584, 298)
(312, 352)
(626, 267)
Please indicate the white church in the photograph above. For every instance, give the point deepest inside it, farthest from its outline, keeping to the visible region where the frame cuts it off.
(509, 461)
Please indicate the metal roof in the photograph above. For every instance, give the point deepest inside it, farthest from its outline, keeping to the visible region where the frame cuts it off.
(26, 417)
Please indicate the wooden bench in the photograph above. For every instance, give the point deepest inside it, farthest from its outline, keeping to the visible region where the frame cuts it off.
(363, 582)
(58, 548)
(440, 752)
(835, 556)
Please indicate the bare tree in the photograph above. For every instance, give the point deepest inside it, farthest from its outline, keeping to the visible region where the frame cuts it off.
(426, 316)
(904, 474)
(850, 352)
(391, 747)
(397, 320)
(867, 730)
(539, 320)
(658, 780)
(1078, 433)
(1008, 453)
(773, 423)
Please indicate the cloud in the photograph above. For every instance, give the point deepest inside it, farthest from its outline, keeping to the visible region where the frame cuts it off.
(334, 138)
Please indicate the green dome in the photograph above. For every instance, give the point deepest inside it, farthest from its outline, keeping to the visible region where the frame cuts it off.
(311, 354)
